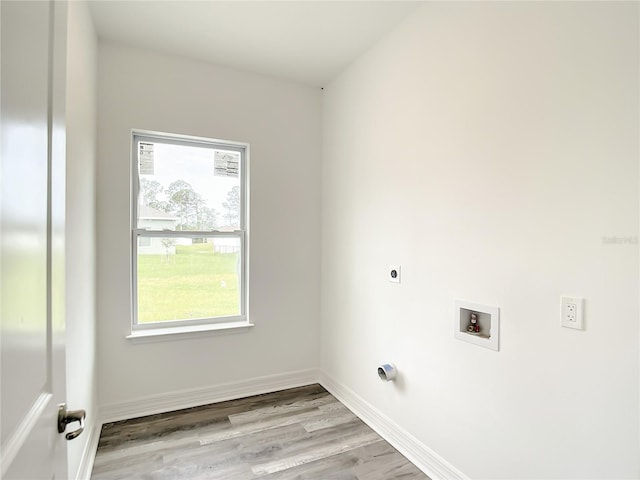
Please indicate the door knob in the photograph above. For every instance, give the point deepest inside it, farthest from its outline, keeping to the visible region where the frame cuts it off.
(66, 417)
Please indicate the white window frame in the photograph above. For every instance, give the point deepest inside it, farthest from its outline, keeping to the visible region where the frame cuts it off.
(194, 324)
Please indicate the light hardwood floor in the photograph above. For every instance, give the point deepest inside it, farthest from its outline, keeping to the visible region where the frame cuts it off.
(301, 433)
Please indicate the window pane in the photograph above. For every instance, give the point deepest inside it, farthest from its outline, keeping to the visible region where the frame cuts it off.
(144, 242)
(188, 187)
(183, 278)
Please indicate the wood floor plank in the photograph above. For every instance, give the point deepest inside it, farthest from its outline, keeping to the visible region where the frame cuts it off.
(339, 467)
(324, 451)
(296, 434)
(280, 410)
(328, 420)
(304, 417)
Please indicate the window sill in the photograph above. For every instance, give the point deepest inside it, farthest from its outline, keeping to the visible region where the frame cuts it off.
(187, 331)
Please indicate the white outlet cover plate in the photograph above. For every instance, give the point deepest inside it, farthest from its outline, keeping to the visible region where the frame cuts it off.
(571, 312)
(390, 275)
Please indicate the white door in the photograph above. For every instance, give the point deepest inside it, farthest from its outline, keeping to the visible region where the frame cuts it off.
(32, 343)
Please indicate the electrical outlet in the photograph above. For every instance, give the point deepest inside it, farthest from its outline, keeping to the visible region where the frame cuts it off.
(571, 313)
(393, 274)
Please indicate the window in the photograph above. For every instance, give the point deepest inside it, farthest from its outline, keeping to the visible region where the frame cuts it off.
(189, 231)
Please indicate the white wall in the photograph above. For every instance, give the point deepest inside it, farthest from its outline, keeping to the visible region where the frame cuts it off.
(281, 122)
(488, 148)
(80, 225)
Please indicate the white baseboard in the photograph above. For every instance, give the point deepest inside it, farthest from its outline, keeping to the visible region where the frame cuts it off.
(89, 454)
(418, 453)
(167, 402)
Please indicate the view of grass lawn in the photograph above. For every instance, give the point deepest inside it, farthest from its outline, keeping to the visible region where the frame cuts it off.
(193, 283)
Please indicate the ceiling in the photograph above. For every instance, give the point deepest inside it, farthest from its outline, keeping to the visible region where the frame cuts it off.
(309, 42)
